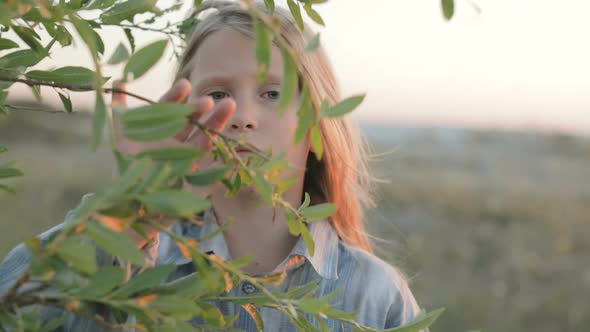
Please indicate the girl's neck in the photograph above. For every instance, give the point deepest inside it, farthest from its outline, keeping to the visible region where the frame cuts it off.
(257, 228)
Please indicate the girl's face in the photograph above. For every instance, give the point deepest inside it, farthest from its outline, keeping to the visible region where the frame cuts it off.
(225, 66)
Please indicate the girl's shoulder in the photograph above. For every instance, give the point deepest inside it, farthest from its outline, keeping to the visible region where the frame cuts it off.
(375, 285)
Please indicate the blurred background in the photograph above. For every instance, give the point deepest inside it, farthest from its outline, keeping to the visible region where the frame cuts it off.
(480, 129)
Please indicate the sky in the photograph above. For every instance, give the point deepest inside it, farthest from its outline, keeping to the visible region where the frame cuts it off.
(504, 64)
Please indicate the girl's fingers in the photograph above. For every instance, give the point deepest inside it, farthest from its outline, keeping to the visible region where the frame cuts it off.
(202, 106)
(178, 92)
(119, 100)
(217, 121)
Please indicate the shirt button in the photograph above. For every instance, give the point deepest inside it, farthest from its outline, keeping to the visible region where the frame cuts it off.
(248, 288)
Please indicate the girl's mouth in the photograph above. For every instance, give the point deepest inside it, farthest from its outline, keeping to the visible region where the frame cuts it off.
(243, 151)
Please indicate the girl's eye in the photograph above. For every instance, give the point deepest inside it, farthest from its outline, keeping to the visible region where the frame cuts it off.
(217, 95)
(272, 94)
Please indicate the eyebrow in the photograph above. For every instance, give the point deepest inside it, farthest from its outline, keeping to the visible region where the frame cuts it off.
(224, 80)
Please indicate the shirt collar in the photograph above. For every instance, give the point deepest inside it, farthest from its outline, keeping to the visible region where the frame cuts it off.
(324, 261)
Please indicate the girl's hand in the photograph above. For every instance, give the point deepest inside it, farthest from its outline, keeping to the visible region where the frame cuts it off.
(221, 113)
(190, 135)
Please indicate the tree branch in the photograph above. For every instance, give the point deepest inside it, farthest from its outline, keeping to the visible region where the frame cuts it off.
(79, 88)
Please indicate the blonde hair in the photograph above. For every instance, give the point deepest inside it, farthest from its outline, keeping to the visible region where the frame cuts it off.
(341, 176)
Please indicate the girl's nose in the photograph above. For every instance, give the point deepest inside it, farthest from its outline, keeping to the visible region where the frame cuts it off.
(244, 119)
(242, 125)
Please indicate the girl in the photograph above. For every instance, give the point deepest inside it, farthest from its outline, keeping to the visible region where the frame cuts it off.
(217, 75)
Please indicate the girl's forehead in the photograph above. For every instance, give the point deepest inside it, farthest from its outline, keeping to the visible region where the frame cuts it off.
(228, 53)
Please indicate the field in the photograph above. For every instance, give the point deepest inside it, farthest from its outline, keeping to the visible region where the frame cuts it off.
(494, 226)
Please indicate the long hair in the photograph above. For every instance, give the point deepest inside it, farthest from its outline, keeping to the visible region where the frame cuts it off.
(341, 176)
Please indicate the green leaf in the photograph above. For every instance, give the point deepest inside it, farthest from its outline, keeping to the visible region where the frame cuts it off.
(305, 290)
(9, 172)
(181, 167)
(306, 201)
(448, 8)
(3, 96)
(121, 54)
(25, 58)
(127, 10)
(30, 37)
(313, 44)
(296, 12)
(98, 4)
(306, 117)
(102, 282)
(155, 122)
(172, 153)
(115, 243)
(316, 141)
(7, 44)
(190, 286)
(36, 89)
(5, 16)
(122, 162)
(207, 176)
(262, 50)
(341, 315)
(66, 101)
(7, 189)
(142, 60)
(79, 253)
(100, 116)
(270, 5)
(198, 3)
(313, 305)
(158, 177)
(158, 131)
(133, 174)
(154, 113)
(88, 35)
(212, 315)
(181, 203)
(146, 280)
(175, 306)
(99, 42)
(58, 32)
(343, 107)
(40, 75)
(302, 321)
(64, 37)
(315, 16)
(422, 321)
(290, 82)
(66, 75)
(319, 211)
(3, 149)
(53, 324)
(295, 226)
(263, 186)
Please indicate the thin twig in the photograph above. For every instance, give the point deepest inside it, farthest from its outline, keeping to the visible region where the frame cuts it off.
(79, 88)
(123, 25)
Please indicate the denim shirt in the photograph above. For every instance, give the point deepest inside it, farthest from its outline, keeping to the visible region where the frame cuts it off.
(371, 287)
